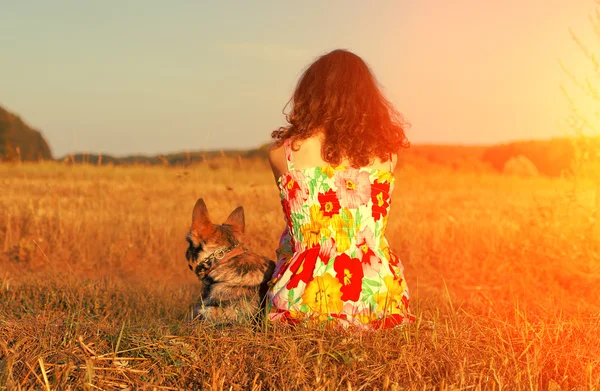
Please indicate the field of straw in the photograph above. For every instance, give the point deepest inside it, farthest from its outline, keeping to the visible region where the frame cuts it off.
(94, 287)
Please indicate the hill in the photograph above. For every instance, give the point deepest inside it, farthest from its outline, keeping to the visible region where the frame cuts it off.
(18, 141)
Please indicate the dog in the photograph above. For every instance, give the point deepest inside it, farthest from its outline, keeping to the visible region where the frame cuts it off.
(234, 279)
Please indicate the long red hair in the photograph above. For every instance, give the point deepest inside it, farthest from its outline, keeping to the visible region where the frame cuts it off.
(339, 96)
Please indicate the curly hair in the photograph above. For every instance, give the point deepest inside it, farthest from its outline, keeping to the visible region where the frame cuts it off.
(339, 96)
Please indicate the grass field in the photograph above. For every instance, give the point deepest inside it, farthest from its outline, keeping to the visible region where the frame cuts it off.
(94, 287)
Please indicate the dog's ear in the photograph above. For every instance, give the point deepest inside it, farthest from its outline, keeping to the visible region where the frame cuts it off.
(236, 220)
(200, 220)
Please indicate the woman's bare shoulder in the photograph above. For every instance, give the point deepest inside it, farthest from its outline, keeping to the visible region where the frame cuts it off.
(277, 160)
(276, 153)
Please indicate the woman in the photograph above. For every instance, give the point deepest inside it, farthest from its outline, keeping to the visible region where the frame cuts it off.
(334, 167)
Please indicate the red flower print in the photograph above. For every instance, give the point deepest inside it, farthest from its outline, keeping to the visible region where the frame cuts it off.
(394, 261)
(353, 187)
(330, 205)
(349, 272)
(294, 189)
(365, 241)
(388, 321)
(405, 302)
(395, 267)
(380, 195)
(368, 257)
(302, 269)
(338, 316)
(287, 212)
(287, 318)
(328, 250)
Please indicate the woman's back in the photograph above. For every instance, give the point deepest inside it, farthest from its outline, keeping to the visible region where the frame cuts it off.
(309, 154)
(339, 265)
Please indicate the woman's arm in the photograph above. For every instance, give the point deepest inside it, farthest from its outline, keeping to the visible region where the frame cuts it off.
(277, 161)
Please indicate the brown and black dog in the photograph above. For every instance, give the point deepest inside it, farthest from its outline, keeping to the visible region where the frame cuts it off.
(234, 279)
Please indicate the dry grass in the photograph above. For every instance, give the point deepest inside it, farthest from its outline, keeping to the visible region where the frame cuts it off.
(94, 287)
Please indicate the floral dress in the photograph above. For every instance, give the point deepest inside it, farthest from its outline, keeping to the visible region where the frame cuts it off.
(334, 263)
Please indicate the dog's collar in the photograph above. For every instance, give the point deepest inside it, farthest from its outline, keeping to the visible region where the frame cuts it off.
(213, 259)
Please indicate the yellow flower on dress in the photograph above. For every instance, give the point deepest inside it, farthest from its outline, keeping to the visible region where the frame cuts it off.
(384, 223)
(341, 227)
(390, 301)
(385, 176)
(367, 318)
(385, 249)
(328, 170)
(318, 227)
(323, 294)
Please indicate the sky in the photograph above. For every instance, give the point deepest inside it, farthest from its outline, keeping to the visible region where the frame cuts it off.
(149, 76)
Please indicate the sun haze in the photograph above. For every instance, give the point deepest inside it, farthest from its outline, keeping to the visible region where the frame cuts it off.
(151, 76)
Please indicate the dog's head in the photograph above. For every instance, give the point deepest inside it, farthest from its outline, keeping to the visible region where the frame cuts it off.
(207, 239)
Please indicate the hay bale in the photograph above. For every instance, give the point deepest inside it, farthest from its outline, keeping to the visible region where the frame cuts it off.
(520, 165)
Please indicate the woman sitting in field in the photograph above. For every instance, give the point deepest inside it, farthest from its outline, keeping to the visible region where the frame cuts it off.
(334, 166)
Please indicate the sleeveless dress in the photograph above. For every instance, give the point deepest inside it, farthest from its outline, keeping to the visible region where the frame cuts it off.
(334, 262)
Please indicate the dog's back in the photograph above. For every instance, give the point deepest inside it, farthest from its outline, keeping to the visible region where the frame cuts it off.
(234, 279)
(239, 285)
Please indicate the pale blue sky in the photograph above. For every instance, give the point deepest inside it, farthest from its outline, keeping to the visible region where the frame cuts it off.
(147, 76)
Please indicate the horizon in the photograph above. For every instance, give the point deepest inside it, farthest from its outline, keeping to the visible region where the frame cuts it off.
(424, 144)
(150, 78)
